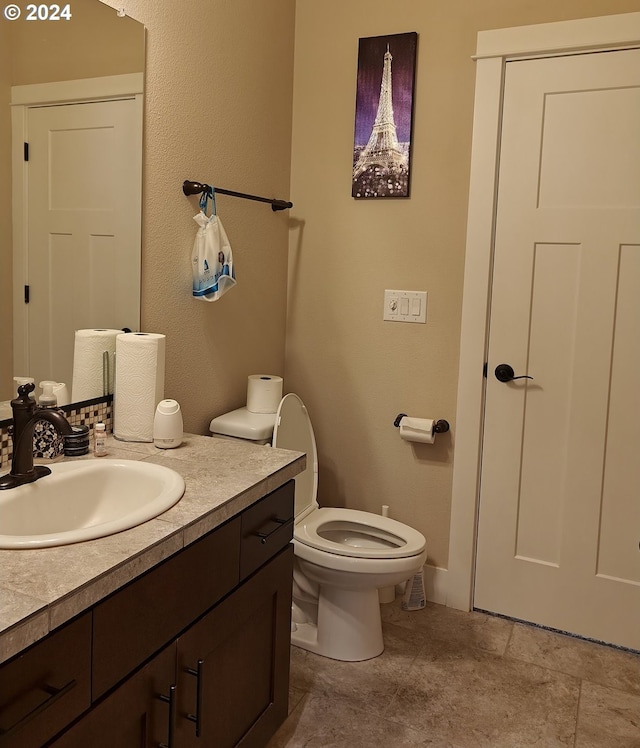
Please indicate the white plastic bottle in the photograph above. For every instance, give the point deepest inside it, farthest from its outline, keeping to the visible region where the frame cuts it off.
(48, 398)
(100, 439)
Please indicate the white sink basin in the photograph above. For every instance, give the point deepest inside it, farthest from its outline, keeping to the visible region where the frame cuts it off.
(85, 500)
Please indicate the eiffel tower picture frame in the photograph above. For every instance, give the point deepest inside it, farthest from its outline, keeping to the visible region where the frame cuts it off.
(384, 116)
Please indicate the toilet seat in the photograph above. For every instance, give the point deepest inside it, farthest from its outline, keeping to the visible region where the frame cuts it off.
(350, 532)
(342, 532)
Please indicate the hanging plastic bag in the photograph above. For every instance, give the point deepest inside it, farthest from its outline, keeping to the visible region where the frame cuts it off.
(211, 259)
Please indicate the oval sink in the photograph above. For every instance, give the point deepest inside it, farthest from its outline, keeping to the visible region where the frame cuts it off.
(86, 500)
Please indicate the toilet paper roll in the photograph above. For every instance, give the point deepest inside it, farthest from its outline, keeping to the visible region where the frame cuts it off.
(88, 355)
(418, 430)
(139, 385)
(264, 392)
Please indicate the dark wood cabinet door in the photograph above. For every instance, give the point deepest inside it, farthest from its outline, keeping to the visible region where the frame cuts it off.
(138, 620)
(45, 688)
(233, 665)
(133, 716)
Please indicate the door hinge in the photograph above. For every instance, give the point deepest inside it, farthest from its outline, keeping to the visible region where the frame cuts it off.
(26, 294)
(26, 151)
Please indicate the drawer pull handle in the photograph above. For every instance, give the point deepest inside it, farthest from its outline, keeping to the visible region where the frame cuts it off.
(264, 536)
(196, 717)
(171, 700)
(54, 695)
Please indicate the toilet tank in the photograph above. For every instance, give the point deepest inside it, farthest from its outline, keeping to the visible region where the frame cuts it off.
(242, 424)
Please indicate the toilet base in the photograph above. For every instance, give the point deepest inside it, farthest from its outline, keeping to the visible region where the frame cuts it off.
(348, 628)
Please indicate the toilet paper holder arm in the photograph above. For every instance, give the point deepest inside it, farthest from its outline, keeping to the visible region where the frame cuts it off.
(440, 427)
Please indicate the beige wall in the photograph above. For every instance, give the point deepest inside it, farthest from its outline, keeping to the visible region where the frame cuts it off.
(354, 371)
(94, 42)
(219, 79)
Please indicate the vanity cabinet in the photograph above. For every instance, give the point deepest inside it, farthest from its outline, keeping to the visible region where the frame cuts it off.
(233, 665)
(193, 653)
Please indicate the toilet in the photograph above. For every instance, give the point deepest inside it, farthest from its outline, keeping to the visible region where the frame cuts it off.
(341, 556)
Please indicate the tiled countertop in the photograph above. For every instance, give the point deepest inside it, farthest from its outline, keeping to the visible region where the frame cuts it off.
(42, 589)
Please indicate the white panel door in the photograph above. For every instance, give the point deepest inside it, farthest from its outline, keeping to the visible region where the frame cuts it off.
(559, 520)
(83, 227)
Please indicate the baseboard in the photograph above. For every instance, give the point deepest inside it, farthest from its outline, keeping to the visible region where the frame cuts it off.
(435, 584)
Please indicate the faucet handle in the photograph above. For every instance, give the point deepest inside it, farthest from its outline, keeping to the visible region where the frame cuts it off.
(24, 390)
(23, 401)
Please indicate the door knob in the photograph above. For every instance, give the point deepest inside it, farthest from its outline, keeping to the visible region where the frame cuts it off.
(505, 373)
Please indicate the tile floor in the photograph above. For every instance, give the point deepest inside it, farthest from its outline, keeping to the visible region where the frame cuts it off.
(449, 679)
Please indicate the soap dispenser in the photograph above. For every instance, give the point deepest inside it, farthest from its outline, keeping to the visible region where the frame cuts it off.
(47, 399)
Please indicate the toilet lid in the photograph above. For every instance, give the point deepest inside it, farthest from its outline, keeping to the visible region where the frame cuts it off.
(293, 430)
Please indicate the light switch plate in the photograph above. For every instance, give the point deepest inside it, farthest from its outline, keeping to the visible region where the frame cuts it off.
(405, 306)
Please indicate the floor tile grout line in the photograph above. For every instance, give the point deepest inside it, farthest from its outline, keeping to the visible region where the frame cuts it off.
(506, 648)
(575, 732)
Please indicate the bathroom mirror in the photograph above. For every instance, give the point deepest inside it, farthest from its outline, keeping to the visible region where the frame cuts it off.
(54, 70)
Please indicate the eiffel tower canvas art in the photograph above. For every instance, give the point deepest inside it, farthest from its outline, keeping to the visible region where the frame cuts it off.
(384, 114)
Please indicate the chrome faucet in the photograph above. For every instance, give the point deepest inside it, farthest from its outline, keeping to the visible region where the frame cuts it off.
(25, 416)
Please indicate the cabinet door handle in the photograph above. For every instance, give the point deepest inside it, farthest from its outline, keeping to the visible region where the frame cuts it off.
(171, 700)
(264, 536)
(54, 695)
(195, 718)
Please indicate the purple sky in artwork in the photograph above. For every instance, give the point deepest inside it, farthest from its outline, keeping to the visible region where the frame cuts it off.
(370, 64)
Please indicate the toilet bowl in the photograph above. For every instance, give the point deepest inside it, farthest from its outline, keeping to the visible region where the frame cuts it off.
(341, 556)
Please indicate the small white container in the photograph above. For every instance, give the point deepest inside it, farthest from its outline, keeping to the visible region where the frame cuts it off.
(167, 425)
(100, 439)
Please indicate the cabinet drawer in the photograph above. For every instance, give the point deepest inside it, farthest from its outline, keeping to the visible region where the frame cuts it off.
(138, 620)
(46, 687)
(267, 527)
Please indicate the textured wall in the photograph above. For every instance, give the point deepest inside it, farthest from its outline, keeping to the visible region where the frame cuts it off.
(217, 109)
(93, 42)
(354, 371)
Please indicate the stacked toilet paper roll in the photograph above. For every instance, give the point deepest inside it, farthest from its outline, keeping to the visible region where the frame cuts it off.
(91, 378)
(139, 385)
(264, 392)
(418, 430)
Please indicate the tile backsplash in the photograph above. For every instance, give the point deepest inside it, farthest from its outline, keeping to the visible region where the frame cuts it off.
(47, 443)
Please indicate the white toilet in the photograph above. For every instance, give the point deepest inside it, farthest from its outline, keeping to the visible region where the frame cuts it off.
(342, 556)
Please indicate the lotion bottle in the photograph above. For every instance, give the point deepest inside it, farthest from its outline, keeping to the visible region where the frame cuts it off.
(100, 439)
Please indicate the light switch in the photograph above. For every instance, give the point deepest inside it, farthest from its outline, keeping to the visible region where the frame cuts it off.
(405, 306)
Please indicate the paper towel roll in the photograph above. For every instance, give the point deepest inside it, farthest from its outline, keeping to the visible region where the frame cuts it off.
(88, 354)
(418, 430)
(139, 384)
(264, 392)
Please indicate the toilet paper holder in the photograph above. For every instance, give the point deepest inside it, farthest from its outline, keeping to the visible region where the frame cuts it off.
(441, 426)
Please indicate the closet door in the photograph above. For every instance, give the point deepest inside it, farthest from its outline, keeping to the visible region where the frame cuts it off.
(559, 510)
